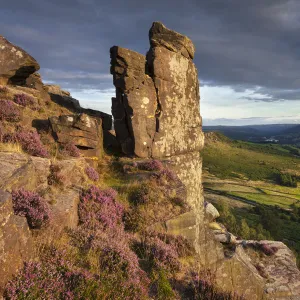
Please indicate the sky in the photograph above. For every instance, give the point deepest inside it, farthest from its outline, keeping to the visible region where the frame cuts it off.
(247, 52)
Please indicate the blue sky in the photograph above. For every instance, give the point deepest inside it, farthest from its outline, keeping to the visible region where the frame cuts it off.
(247, 52)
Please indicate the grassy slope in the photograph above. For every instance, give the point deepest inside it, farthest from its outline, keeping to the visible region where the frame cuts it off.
(243, 172)
(229, 159)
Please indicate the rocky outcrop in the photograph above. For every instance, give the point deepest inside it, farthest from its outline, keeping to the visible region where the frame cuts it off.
(16, 243)
(63, 98)
(19, 170)
(156, 108)
(16, 65)
(83, 131)
(156, 115)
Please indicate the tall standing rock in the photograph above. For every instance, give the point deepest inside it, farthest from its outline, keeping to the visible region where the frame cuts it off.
(157, 115)
(135, 104)
(16, 65)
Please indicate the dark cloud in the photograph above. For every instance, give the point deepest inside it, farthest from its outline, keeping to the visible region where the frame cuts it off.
(241, 43)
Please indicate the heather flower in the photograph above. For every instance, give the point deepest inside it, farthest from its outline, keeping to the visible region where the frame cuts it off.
(32, 206)
(151, 165)
(24, 100)
(70, 149)
(52, 278)
(121, 265)
(31, 143)
(163, 255)
(9, 112)
(92, 173)
(100, 208)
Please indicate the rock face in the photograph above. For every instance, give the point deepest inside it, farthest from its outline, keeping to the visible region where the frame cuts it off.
(156, 115)
(63, 98)
(16, 65)
(84, 131)
(15, 240)
(156, 108)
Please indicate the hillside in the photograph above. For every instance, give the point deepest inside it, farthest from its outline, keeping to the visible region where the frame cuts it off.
(281, 133)
(241, 176)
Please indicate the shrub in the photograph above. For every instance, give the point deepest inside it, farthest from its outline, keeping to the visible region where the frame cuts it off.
(91, 173)
(140, 195)
(162, 255)
(69, 149)
(121, 266)
(9, 112)
(24, 100)
(204, 288)
(31, 143)
(99, 208)
(52, 278)
(55, 178)
(32, 206)
(286, 180)
(267, 249)
(151, 165)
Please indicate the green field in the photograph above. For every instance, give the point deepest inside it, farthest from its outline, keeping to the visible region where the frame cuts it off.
(236, 159)
(240, 179)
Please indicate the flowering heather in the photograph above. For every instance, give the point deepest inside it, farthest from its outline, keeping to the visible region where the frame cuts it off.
(91, 173)
(178, 242)
(162, 255)
(70, 149)
(99, 208)
(9, 112)
(31, 143)
(120, 265)
(151, 165)
(53, 278)
(32, 206)
(140, 195)
(24, 100)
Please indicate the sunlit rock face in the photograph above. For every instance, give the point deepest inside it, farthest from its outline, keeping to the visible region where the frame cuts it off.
(157, 115)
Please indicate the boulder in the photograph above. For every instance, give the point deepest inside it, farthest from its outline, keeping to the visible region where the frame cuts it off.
(63, 98)
(211, 212)
(84, 131)
(19, 170)
(16, 244)
(16, 65)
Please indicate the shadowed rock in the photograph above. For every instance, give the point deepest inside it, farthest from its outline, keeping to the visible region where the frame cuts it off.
(16, 65)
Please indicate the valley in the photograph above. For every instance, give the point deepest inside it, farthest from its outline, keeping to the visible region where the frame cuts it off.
(240, 179)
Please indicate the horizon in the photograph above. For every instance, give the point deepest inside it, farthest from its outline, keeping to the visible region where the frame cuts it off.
(247, 62)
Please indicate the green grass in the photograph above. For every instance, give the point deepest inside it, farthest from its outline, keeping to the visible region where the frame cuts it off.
(265, 199)
(237, 159)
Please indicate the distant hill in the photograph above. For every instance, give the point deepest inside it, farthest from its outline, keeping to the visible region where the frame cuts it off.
(281, 133)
